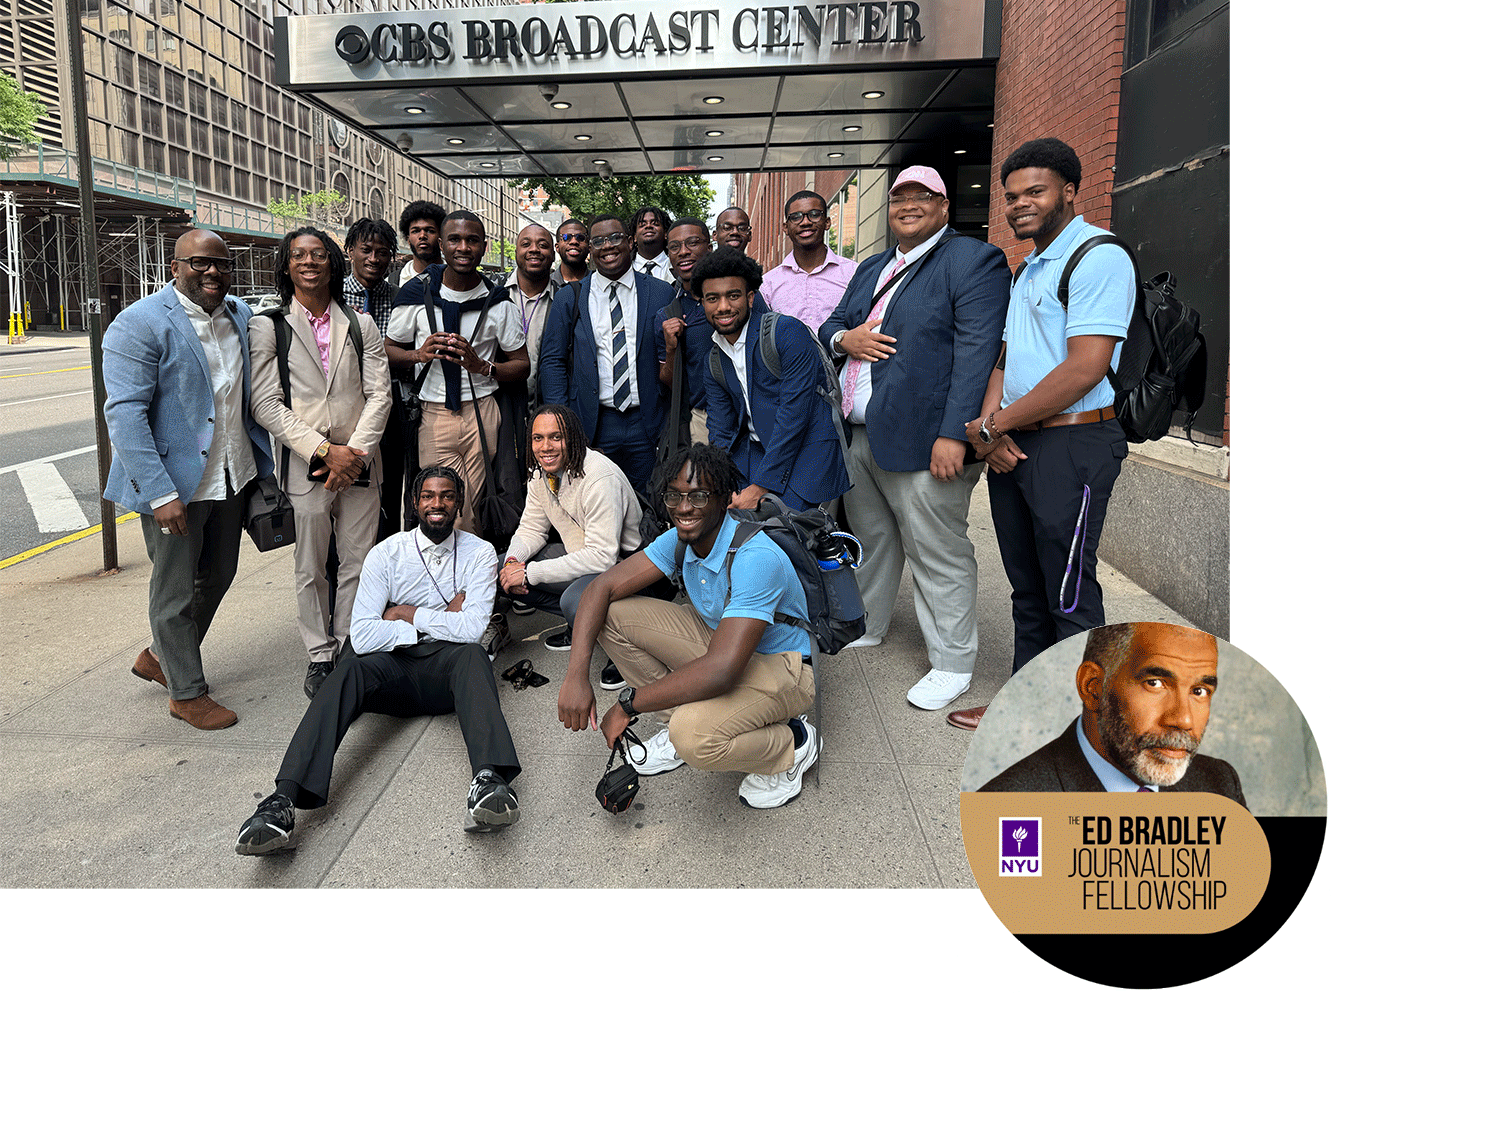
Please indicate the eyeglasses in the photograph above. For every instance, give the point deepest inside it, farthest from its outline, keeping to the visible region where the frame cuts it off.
(914, 197)
(203, 265)
(810, 216)
(734, 228)
(698, 498)
(600, 241)
(695, 243)
(572, 238)
(319, 256)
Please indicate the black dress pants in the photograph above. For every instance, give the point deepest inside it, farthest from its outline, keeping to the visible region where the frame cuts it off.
(431, 678)
(1049, 538)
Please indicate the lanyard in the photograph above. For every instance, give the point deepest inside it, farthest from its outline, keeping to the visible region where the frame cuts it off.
(422, 559)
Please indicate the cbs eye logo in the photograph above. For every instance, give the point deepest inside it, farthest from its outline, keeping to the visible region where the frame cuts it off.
(352, 44)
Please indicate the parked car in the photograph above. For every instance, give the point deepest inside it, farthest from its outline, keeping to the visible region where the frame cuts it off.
(260, 302)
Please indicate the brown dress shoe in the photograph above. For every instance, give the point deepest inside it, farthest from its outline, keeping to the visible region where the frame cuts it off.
(203, 713)
(966, 720)
(147, 667)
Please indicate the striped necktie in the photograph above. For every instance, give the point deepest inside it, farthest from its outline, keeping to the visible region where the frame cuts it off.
(621, 361)
(650, 268)
(854, 366)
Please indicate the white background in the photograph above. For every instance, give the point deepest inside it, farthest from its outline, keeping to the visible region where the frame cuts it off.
(1364, 579)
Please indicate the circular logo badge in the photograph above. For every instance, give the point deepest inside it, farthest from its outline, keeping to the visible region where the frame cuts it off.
(1143, 805)
(352, 44)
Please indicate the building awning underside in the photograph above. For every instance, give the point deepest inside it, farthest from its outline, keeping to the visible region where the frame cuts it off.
(831, 108)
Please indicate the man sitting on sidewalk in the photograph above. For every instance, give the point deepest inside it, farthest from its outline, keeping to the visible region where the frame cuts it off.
(731, 680)
(424, 600)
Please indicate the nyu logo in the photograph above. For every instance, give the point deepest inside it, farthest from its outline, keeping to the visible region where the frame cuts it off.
(1020, 846)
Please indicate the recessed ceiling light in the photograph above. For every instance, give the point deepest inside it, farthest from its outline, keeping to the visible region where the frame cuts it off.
(991, 125)
(871, 95)
(716, 158)
(415, 109)
(715, 132)
(487, 164)
(601, 162)
(712, 99)
(852, 128)
(959, 151)
(973, 185)
(583, 136)
(835, 155)
(455, 140)
(562, 105)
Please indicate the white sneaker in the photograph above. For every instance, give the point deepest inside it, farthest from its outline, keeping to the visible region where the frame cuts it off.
(772, 790)
(865, 641)
(936, 690)
(661, 755)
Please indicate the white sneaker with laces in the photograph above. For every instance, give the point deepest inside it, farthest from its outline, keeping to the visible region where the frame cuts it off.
(661, 755)
(772, 790)
(936, 690)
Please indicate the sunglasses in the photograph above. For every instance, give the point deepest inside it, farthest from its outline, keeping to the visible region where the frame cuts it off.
(600, 241)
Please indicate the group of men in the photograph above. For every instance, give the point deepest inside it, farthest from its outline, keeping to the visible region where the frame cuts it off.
(380, 409)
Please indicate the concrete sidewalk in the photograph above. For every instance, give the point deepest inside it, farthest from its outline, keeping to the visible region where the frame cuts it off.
(100, 787)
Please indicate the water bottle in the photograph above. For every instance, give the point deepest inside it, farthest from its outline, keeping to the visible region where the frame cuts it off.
(828, 551)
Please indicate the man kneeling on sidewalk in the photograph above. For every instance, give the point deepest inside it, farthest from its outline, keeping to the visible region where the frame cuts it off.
(424, 600)
(731, 680)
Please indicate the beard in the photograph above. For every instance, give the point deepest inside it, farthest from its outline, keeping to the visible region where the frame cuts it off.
(441, 531)
(1136, 754)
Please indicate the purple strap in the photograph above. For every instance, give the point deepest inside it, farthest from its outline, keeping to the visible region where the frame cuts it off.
(1075, 551)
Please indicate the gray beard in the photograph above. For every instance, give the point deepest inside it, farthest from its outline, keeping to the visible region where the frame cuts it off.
(1135, 755)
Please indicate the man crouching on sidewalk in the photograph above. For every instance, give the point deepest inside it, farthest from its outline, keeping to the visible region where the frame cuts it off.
(730, 679)
(424, 600)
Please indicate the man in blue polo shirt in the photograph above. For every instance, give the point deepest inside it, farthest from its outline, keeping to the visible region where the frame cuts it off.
(731, 681)
(1047, 427)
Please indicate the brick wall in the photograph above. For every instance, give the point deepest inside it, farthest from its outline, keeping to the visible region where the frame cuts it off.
(1059, 76)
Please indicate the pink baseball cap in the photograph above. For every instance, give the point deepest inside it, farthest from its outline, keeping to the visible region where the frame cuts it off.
(921, 174)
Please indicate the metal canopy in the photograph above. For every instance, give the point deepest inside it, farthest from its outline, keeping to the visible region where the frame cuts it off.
(799, 99)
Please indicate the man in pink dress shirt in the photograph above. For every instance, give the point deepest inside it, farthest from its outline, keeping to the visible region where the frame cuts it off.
(811, 280)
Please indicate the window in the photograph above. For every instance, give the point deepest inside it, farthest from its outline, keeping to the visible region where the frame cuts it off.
(221, 144)
(241, 149)
(156, 156)
(125, 66)
(175, 88)
(151, 118)
(203, 171)
(237, 117)
(220, 109)
(198, 98)
(127, 107)
(150, 78)
(177, 126)
(200, 136)
(179, 163)
(129, 149)
(1155, 23)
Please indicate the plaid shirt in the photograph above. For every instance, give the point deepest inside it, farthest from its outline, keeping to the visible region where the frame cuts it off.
(377, 302)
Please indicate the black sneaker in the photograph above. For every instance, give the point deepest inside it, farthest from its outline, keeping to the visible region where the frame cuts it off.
(269, 830)
(610, 678)
(560, 642)
(492, 803)
(496, 634)
(520, 609)
(317, 672)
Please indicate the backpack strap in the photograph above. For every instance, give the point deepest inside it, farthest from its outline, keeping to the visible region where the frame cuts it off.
(1077, 256)
(283, 351)
(356, 333)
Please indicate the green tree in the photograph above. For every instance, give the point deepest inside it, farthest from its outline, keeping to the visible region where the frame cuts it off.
(19, 110)
(623, 195)
(314, 206)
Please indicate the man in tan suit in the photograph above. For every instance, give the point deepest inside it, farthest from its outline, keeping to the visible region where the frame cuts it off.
(329, 425)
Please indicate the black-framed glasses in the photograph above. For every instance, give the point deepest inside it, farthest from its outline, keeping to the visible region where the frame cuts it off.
(697, 242)
(203, 265)
(734, 228)
(319, 256)
(600, 241)
(810, 216)
(914, 197)
(698, 498)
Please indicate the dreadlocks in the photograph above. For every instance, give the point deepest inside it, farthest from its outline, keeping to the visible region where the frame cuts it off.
(715, 469)
(443, 471)
(573, 440)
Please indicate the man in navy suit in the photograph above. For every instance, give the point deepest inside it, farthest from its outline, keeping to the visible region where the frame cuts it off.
(921, 325)
(779, 432)
(599, 354)
(186, 455)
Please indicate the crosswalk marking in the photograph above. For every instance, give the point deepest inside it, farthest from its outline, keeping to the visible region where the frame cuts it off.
(52, 501)
(19, 465)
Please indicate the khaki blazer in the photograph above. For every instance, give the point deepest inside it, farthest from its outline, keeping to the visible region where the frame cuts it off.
(345, 409)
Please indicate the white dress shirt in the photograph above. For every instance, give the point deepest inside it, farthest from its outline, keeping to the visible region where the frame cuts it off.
(736, 354)
(230, 464)
(501, 330)
(862, 388)
(410, 569)
(604, 334)
(661, 267)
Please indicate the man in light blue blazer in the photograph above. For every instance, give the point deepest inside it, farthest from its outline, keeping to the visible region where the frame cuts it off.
(776, 427)
(186, 455)
(598, 353)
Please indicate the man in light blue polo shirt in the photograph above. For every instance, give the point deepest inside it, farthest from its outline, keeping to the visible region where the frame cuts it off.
(730, 679)
(1047, 427)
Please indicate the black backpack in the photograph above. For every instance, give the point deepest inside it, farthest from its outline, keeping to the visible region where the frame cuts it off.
(1164, 360)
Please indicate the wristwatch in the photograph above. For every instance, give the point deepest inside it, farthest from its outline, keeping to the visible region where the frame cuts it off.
(627, 701)
(985, 434)
(836, 341)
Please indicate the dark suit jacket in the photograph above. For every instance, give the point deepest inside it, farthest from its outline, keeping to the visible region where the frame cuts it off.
(160, 408)
(697, 338)
(578, 386)
(1060, 767)
(948, 316)
(802, 459)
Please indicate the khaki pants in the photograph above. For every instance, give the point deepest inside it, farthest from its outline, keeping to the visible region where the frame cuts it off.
(745, 728)
(452, 440)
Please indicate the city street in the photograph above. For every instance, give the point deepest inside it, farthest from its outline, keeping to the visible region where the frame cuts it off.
(49, 476)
